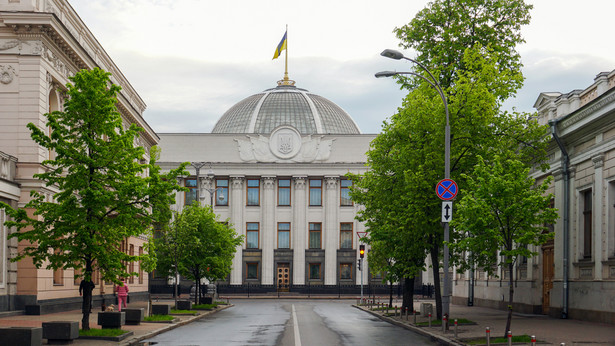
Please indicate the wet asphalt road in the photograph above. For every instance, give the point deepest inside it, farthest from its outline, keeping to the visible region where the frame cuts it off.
(290, 322)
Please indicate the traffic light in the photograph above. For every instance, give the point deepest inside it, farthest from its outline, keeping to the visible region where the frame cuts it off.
(359, 264)
(362, 251)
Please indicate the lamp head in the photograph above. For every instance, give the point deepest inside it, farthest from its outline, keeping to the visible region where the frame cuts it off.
(383, 74)
(392, 54)
(210, 173)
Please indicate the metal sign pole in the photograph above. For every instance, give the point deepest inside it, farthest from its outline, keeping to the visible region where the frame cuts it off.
(361, 278)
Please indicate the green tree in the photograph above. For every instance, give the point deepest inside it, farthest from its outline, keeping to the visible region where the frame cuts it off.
(502, 213)
(106, 192)
(198, 245)
(469, 46)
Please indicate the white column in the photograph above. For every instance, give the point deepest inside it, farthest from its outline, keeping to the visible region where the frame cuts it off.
(597, 213)
(268, 229)
(299, 231)
(236, 205)
(558, 227)
(331, 229)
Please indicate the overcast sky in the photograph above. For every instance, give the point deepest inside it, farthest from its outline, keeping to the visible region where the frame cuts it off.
(191, 60)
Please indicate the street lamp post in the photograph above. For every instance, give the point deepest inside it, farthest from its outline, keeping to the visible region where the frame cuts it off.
(212, 189)
(393, 54)
(197, 166)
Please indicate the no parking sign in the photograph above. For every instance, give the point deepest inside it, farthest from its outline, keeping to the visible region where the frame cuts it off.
(446, 189)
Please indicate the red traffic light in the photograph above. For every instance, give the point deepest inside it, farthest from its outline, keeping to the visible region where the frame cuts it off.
(362, 251)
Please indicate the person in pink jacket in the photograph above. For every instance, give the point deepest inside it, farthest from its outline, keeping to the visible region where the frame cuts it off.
(122, 295)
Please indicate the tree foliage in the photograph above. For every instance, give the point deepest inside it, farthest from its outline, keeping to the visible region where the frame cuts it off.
(502, 214)
(105, 191)
(442, 31)
(198, 245)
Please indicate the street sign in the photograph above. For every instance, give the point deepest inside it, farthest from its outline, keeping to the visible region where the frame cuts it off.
(446, 189)
(447, 211)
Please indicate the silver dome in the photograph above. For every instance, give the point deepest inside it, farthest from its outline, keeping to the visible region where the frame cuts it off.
(286, 105)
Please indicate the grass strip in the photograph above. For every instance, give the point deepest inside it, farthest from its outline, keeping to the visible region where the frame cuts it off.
(204, 306)
(102, 332)
(155, 318)
(183, 312)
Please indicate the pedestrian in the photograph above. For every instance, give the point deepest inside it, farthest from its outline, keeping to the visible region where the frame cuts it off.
(86, 287)
(122, 294)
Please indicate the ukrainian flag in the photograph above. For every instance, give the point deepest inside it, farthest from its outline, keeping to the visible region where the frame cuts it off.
(280, 47)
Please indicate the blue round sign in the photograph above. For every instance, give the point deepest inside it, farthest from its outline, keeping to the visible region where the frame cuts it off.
(446, 189)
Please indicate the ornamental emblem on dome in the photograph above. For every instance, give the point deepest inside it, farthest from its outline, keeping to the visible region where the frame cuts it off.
(285, 143)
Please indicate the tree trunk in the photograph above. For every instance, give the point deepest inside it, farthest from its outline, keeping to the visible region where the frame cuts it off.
(435, 265)
(408, 296)
(390, 294)
(86, 305)
(511, 291)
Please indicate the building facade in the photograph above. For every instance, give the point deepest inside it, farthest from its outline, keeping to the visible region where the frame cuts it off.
(42, 44)
(574, 275)
(274, 167)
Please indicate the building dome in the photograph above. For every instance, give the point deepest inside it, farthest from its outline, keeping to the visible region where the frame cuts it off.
(286, 105)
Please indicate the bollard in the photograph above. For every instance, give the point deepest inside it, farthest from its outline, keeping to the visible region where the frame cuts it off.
(395, 310)
(387, 309)
(509, 336)
(430, 320)
(533, 339)
(227, 300)
(444, 324)
(488, 336)
(455, 328)
(414, 313)
(407, 313)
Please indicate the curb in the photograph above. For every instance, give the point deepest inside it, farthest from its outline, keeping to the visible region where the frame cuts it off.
(419, 330)
(136, 341)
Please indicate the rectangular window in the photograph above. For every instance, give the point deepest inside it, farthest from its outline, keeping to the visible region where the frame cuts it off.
(58, 275)
(315, 192)
(346, 235)
(190, 184)
(221, 191)
(345, 271)
(253, 192)
(587, 223)
(283, 235)
(131, 266)
(284, 192)
(345, 185)
(314, 271)
(315, 235)
(140, 266)
(252, 235)
(252, 271)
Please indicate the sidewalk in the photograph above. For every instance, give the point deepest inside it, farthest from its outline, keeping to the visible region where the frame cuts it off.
(141, 332)
(546, 329)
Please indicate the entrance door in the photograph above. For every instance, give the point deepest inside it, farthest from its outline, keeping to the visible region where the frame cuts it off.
(283, 277)
(547, 276)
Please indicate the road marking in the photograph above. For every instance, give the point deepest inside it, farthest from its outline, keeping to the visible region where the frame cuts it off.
(296, 327)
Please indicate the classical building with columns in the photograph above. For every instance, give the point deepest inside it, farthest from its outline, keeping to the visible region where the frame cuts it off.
(574, 275)
(274, 166)
(42, 44)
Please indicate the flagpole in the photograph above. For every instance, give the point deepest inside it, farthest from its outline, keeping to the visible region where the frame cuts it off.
(286, 58)
(284, 43)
